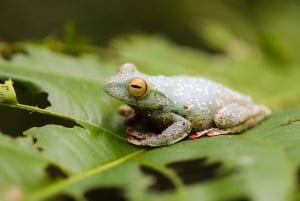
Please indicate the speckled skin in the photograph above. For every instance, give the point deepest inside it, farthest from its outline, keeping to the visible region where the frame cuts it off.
(182, 106)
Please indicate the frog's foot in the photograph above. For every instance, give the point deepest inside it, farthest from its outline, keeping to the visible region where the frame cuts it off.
(218, 131)
(135, 141)
(138, 135)
(179, 129)
(127, 112)
(209, 132)
(198, 134)
(139, 138)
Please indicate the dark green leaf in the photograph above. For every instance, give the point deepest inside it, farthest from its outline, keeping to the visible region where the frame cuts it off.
(92, 157)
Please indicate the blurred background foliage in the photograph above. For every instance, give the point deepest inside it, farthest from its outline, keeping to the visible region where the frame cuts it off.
(259, 36)
(250, 45)
(272, 25)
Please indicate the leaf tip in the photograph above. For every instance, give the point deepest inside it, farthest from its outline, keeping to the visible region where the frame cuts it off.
(7, 93)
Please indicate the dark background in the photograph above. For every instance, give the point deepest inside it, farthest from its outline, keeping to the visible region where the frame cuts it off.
(270, 25)
(100, 21)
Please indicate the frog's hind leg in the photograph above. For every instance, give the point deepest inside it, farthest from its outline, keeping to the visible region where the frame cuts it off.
(252, 121)
(234, 119)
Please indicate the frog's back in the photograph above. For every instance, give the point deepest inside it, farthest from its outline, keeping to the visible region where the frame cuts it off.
(195, 90)
(196, 98)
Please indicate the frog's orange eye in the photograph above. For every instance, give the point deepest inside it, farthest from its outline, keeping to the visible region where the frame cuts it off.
(137, 87)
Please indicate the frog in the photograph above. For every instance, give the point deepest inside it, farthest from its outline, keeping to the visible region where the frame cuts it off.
(180, 106)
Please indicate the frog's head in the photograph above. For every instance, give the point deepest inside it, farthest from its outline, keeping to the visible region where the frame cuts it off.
(134, 88)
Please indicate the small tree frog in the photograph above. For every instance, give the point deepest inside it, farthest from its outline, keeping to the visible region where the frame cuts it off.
(180, 106)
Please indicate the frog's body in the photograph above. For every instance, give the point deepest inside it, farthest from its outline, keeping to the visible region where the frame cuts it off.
(182, 106)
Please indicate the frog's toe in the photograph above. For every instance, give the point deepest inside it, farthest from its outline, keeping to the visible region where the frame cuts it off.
(135, 134)
(125, 110)
(139, 135)
(209, 132)
(217, 131)
(199, 134)
(131, 131)
(134, 141)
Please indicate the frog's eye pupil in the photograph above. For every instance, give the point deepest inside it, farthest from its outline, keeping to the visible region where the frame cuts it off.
(137, 87)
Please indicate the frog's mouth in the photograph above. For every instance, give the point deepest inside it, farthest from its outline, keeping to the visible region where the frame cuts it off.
(117, 91)
(112, 89)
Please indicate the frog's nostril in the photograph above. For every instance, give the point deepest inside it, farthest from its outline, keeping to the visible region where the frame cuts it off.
(109, 82)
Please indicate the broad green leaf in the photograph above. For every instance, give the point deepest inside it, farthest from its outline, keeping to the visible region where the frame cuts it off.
(20, 162)
(74, 88)
(92, 159)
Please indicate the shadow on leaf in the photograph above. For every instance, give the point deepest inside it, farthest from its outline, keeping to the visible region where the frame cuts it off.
(55, 172)
(61, 197)
(14, 121)
(105, 194)
(160, 183)
(197, 170)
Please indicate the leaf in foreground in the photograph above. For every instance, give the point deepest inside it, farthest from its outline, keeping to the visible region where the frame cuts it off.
(92, 159)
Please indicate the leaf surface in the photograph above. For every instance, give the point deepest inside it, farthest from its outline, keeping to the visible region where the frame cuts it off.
(92, 158)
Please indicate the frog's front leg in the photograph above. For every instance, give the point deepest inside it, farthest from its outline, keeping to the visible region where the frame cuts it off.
(235, 118)
(128, 112)
(179, 129)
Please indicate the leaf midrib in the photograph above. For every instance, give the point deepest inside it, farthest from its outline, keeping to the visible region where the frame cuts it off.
(57, 186)
(62, 116)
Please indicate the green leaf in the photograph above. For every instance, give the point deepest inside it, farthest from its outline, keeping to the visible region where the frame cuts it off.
(91, 159)
(20, 162)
